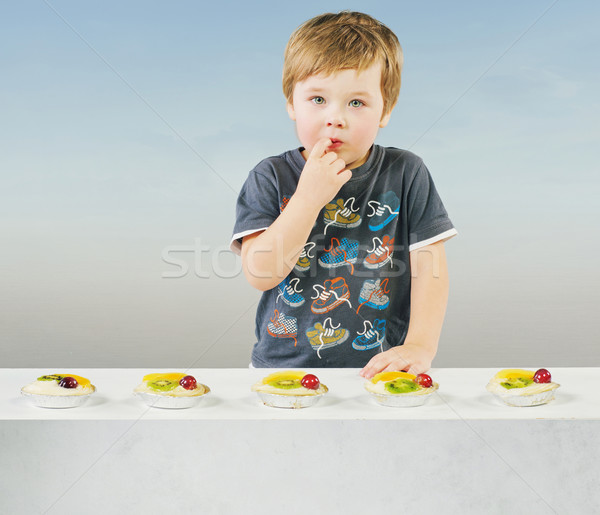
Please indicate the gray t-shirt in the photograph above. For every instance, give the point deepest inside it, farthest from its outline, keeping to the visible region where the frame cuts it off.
(348, 296)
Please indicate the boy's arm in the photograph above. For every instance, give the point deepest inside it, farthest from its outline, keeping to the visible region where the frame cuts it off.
(269, 256)
(428, 300)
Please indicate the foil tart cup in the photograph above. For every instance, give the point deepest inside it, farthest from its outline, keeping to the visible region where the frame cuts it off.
(57, 401)
(403, 400)
(275, 400)
(535, 399)
(156, 400)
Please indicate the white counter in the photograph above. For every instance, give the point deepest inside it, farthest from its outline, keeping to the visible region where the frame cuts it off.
(462, 452)
(462, 395)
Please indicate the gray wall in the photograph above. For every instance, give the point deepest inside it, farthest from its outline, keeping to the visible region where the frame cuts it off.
(126, 134)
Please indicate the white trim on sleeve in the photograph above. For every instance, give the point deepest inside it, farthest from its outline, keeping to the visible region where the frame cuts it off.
(442, 236)
(235, 246)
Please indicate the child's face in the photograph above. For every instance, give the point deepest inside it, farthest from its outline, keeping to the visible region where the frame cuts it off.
(345, 106)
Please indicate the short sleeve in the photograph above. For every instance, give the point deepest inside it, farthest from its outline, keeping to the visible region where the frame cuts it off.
(428, 220)
(256, 209)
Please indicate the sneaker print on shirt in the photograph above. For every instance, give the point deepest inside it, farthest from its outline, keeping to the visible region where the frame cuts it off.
(334, 293)
(384, 210)
(341, 214)
(284, 202)
(344, 253)
(289, 292)
(303, 263)
(326, 335)
(374, 294)
(381, 253)
(283, 326)
(372, 336)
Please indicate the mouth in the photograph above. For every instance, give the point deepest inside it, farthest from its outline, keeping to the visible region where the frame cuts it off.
(335, 143)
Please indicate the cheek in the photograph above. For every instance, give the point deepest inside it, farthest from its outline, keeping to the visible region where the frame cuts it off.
(307, 131)
(367, 130)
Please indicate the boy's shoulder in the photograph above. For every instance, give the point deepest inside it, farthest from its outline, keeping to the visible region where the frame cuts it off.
(397, 167)
(400, 157)
(290, 160)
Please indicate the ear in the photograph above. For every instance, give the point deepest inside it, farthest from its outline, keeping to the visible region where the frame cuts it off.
(290, 110)
(385, 119)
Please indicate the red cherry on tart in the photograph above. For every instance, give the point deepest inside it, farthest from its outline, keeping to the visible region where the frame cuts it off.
(424, 380)
(68, 382)
(542, 376)
(188, 382)
(310, 381)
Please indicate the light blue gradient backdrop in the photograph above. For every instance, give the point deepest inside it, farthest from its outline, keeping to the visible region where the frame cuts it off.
(128, 128)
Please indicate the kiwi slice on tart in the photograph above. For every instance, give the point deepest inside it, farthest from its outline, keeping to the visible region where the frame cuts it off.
(401, 385)
(163, 385)
(285, 380)
(516, 382)
(51, 377)
(285, 384)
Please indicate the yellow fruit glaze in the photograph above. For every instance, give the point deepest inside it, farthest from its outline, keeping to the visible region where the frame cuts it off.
(513, 373)
(171, 376)
(81, 380)
(285, 374)
(390, 376)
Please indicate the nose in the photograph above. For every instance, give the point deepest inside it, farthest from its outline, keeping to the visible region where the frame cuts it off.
(335, 119)
(336, 122)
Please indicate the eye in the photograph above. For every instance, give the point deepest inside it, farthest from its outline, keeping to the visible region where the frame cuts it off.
(318, 100)
(356, 103)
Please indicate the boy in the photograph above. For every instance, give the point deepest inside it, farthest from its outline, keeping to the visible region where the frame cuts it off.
(332, 232)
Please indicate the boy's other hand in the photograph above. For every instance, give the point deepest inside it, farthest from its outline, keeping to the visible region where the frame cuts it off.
(412, 358)
(322, 176)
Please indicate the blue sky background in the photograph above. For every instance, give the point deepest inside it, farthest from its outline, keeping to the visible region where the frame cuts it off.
(128, 128)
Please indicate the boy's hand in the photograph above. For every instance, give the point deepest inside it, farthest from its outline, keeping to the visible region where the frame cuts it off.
(323, 175)
(412, 358)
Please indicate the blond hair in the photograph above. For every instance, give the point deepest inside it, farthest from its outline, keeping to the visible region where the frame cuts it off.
(331, 42)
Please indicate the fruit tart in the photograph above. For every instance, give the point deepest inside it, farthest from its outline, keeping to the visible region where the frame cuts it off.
(59, 391)
(290, 389)
(518, 387)
(401, 389)
(174, 390)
